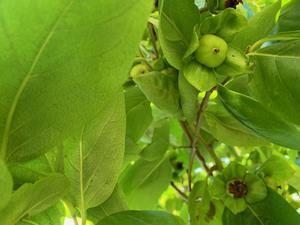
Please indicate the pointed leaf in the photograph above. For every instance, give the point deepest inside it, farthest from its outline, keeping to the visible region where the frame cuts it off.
(276, 77)
(258, 27)
(177, 20)
(260, 119)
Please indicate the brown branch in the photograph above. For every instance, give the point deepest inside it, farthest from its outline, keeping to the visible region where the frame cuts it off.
(211, 152)
(180, 192)
(193, 139)
(197, 153)
(200, 112)
(153, 39)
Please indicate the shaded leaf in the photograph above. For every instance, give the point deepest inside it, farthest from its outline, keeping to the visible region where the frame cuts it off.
(115, 203)
(188, 98)
(141, 217)
(289, 16)
(31, 199)
(6, 185)
(138, 113)
(201, 207)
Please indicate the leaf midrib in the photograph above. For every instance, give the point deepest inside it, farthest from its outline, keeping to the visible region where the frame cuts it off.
(26, 80)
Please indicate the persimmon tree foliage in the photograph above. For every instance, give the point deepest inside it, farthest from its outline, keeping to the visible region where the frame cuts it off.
(134, 112)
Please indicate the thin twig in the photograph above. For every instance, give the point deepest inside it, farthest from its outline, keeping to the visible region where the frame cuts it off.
(204, 9)
(212, 153)
(200, 112)
(202, 107)
(180, 192)
(30, 222)
(197, 153)
(181, 146)
(153, 39)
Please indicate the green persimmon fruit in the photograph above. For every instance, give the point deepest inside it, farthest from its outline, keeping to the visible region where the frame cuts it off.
(138, 70)
(212, 51)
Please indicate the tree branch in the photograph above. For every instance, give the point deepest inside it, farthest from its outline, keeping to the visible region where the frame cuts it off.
(196, 152)
(180, 192)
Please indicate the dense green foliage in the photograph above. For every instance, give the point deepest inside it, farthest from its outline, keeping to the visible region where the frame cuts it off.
(168, 112)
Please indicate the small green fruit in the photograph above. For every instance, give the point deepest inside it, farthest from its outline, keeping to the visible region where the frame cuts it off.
(212, 51)
(138, 69)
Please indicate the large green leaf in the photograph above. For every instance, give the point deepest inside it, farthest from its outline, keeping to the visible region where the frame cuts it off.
(6, 185)
(115, 203)
(276, 78)
(176, 24)
(289, 17)
(65, 67)
(258, 27)
(145, 181)
(31, 199)
(161, 89)
(93, 160)
(260, 119)
(141, 218)
(273, 210)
